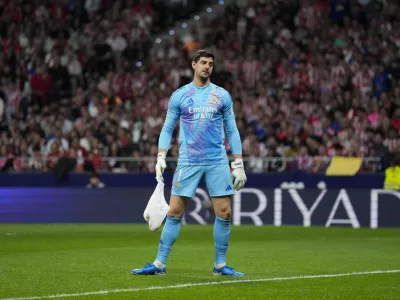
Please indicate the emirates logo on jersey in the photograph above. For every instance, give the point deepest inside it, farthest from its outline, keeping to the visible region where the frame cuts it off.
(202, 112)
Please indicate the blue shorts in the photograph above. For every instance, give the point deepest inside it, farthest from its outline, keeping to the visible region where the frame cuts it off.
(218, 180)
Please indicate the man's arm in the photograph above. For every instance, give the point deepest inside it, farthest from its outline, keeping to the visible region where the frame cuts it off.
(164, 141)
(238, 172)
(231, 128)
(173, 114)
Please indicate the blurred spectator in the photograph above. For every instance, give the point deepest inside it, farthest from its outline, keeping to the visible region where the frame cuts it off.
(94, 181)
(309, 80)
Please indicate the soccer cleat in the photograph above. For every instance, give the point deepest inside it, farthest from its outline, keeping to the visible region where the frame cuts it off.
(149, 269)
(228, 271)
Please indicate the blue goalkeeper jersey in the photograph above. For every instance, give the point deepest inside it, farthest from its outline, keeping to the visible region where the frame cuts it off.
(202, 111)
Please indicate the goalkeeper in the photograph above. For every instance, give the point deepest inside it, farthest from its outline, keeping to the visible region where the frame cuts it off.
(203, 108)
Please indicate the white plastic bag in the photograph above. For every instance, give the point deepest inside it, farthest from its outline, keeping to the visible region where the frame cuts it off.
(157, 208)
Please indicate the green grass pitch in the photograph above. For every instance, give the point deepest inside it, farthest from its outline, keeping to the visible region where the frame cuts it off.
(51, 259)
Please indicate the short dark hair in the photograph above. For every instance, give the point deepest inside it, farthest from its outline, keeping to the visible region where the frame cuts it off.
(202, 53)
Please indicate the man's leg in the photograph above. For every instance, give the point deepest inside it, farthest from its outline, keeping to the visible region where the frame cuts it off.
(222, 229)
(169, 235)
(184, 185)
(171, 229)
(220, 187)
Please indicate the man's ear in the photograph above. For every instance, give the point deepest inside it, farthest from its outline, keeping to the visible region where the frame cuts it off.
(193, 64)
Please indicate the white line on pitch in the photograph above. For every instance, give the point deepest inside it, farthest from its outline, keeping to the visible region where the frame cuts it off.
(185, 285)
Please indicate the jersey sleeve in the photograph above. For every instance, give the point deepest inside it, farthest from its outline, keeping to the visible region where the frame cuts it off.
(173, 114)
(230, 125)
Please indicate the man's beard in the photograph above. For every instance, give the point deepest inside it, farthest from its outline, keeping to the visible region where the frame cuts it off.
(203, 78)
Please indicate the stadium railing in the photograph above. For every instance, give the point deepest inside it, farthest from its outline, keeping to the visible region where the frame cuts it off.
(146, 164)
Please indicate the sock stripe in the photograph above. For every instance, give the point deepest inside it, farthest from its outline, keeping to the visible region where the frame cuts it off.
(173, 218)
(223, 220)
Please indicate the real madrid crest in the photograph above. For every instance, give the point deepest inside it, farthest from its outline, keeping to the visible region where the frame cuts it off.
(215, 100)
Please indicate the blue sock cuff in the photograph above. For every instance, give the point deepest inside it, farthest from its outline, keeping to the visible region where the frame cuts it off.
(174, 219)
(220, 220)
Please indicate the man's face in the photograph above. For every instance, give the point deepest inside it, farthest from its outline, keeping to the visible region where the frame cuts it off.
(203, 68)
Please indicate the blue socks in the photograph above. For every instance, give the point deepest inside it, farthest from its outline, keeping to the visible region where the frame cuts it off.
(168, 236)
(222, 233)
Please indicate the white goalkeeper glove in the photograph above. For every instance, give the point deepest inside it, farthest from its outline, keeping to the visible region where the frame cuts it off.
(238, 174)
(161, 165)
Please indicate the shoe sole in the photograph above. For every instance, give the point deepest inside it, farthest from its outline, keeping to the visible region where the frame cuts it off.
(217, 274)
(220, 274)
(156, 274)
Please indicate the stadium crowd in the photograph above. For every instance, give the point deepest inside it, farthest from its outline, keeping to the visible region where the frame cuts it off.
(309, 80)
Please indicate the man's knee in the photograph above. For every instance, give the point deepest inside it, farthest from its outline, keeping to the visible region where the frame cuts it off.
(223, 208)
(176, 212)
(224, 212)
(177, 206)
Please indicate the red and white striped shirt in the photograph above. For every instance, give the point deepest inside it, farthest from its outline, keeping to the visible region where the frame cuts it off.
(251, 72)
(362, 81)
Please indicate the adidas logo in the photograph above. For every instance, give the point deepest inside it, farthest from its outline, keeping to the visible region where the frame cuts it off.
(190, 101)
(228, 188)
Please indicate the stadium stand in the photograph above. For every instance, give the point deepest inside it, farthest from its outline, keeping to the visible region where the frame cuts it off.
(85, 81)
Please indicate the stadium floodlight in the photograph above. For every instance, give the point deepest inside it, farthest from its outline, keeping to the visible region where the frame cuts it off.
(209, 9)
(158, 40)
(139, 64)
(171, 32)
(196, 17)
(184, 25)
(221, 2)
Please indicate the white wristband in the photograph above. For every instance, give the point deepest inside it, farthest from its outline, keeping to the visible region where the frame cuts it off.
(161, 155)
(238, 163)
